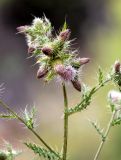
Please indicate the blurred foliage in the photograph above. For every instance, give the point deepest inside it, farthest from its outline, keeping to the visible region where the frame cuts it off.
(106, 43)
(5, 2)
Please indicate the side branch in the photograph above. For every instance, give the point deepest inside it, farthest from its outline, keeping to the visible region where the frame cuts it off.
(105, 136)
(86, 100)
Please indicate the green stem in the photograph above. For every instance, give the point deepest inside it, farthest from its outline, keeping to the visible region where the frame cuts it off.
(5, 106)
(106, 135)
(65, 123)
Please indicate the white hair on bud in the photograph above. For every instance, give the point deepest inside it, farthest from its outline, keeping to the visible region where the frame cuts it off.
(37, 21)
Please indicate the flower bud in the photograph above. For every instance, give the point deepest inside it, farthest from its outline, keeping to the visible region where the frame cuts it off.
(117, 67)
(64, 35)
(31, 50)
(22, 29)
(84, 60)
(76, 84)
(67, 73)
(47, 51)
(42, 71)
(114, 97)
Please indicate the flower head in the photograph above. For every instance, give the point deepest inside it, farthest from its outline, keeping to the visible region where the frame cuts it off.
(53, 53)
(67, 73)
(115, 97)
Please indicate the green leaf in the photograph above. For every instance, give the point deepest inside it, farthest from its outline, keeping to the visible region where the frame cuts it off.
(8, 116)
(42, 152)
(116, 121)
(29, 117)
(100, 76)
(84, 103)
(112, 107)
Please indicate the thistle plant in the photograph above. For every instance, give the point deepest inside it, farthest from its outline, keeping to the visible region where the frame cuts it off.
(57, 60)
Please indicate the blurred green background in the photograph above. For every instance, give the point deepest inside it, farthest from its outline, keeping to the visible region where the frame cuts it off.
(97, 26)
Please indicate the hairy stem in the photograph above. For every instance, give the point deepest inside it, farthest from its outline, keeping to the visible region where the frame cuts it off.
(106, 135)
(65, 123)
(5, 106)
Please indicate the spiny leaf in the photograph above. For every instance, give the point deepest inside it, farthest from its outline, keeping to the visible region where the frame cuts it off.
(29, 117)
(42, 152)
(84, 103)
(116, 121)
(100, 76)
(8, 116)
(98, 129)
(64, 26)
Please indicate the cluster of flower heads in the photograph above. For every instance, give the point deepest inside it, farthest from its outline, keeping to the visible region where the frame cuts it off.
(54, 54)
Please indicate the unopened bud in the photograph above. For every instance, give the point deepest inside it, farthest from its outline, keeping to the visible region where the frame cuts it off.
(84, 60)
(76, 85)
(42, 71)
(31, 50)
(47, 51)
(22, 29)
(64, 35)
(117, 67)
